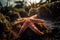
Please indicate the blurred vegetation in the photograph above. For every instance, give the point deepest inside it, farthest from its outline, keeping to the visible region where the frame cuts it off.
(48, 11)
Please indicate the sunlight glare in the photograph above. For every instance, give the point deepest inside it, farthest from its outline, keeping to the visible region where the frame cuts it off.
(34, 1)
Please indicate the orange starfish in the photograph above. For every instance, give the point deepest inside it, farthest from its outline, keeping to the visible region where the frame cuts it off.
(29, 22)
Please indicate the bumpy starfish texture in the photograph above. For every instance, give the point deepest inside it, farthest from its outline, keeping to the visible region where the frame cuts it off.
(29, 22)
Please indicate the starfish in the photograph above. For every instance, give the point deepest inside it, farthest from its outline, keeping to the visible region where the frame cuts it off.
(29, 22)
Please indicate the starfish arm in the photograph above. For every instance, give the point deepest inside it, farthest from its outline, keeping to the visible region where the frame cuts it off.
(37, 20)
(40, 22)
(34, 16)
(35, 29)
(17, 22)
(24, 26)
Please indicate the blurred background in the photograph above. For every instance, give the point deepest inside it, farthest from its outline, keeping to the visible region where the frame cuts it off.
(11, 10)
